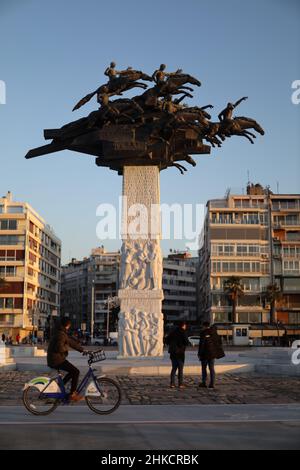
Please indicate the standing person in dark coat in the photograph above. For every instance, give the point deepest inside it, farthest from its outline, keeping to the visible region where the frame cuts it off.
(177, 341)
(58, 351)
(210, 348)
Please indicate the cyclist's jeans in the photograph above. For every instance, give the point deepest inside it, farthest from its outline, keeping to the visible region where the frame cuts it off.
(177, 364)
(211, 365)
(73, 374)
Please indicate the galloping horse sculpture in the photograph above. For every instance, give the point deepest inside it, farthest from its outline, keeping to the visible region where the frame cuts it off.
(148, 129)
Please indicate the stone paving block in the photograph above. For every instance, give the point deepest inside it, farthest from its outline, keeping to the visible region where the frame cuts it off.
(230, 389)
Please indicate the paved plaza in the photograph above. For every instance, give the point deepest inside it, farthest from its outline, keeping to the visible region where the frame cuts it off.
(247, 410)
(151, 390)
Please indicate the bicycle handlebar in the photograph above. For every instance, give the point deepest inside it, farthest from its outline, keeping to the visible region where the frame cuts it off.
(95, 356)
(91, 353)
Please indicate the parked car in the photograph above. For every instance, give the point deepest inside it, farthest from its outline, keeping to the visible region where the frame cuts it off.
(113, 342)
(113, 338)
(99, 341)
(194, 340)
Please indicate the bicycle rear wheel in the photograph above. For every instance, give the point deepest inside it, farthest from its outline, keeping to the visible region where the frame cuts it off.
(105, 398)
(35, 404)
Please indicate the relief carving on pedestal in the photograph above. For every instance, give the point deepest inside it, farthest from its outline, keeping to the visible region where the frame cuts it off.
(141, 265)
(140, 333)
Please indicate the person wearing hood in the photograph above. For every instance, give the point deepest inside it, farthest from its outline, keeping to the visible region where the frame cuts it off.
(177, 341)
(210, 349)
(57, 354)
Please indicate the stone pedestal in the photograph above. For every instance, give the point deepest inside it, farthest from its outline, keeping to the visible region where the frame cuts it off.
(140, 294)
(5, 354)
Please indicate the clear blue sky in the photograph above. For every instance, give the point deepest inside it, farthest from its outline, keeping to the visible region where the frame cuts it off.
(53, 53)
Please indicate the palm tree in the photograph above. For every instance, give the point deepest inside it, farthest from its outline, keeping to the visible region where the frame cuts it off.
(273, 294)
(234, 289)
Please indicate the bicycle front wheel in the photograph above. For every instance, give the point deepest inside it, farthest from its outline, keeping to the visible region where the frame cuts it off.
(35, 404)
(105, 397)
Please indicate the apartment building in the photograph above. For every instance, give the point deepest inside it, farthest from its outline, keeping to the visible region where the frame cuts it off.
(74, 292)
(180, 289)
(30, 254)
(255, 237)
(88, 283)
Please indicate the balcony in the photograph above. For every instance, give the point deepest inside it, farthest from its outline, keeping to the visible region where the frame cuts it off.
(8, 311)
(286, 222)
(283, 206)
(4, 324)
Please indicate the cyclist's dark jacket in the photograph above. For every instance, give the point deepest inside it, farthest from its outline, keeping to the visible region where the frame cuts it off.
(59, 346)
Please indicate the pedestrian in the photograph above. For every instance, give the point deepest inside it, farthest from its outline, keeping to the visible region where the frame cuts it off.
(210, 349)
(18, 339)
(177, 341)
(57, 355)
(3, 337)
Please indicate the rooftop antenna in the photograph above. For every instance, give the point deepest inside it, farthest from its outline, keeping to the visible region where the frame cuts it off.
(277, 187)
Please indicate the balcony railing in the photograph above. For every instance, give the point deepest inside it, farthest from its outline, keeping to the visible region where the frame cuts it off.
(238, 222)
(6, 324)
(280, 206)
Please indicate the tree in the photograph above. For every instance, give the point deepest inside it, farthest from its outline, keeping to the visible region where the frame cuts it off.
(114, 317)
(113, 307)
(234, 289)
(273, 295)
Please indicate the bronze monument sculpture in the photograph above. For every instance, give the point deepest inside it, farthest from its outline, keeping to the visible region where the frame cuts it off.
(148, 129)
(138, 138)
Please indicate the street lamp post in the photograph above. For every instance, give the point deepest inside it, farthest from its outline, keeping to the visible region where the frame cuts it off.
(114, 301)
(93, 309)
(107, 318)
(54, 314)
(35, 314)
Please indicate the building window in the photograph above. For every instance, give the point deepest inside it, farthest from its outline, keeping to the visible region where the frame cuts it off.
(7, 271)
(221, 317)
(9, 303)
(291, 285)
(15, 209)
(8, 224)
(11, 240)
(293, 236)
(294, 318)
(291, 267)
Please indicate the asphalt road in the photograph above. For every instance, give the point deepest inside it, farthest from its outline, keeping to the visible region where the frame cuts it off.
(186, 427)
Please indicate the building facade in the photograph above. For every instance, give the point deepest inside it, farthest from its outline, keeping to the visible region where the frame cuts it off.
(86, 286)
(100, 272)
(30, 255)
(180, 288)
(74, 292)
(255, 237)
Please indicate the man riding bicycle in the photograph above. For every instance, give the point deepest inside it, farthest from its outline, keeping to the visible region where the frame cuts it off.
(57, 353)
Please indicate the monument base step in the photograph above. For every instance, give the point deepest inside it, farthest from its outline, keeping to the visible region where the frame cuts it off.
(10, 365)
(144, 369)
(287, 370)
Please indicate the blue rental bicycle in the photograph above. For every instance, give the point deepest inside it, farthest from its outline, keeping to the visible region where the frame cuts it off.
(42, 395)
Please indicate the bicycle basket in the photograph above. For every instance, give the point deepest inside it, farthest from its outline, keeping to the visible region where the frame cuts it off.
(97, 356)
